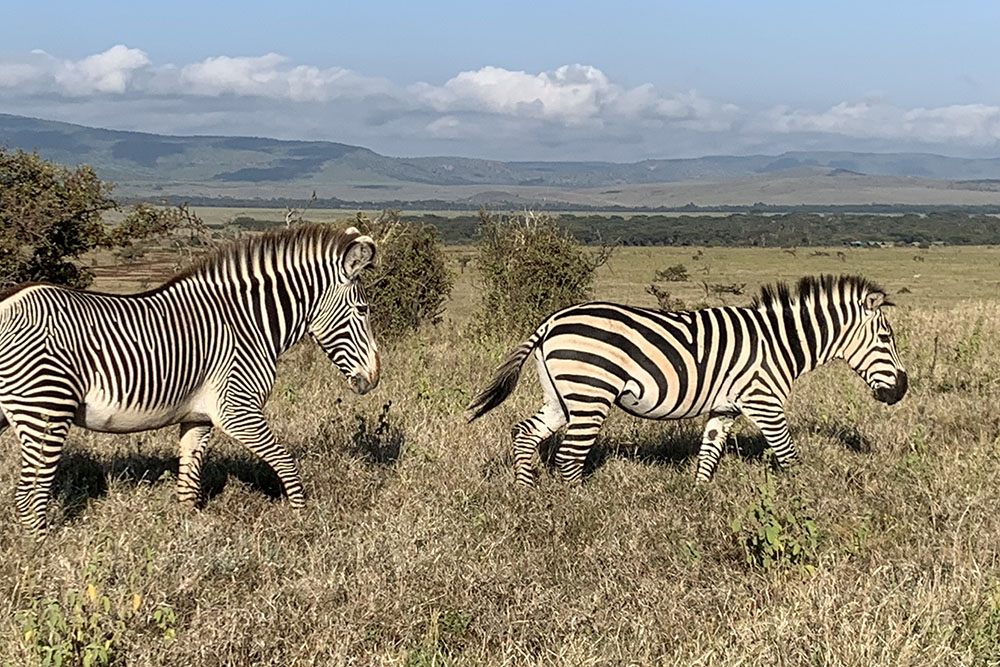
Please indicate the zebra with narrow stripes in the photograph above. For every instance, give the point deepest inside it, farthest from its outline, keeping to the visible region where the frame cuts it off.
(722, 362)
(198, 351)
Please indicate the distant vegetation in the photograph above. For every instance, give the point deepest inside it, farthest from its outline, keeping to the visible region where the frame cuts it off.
(51, 215)
(738, 229)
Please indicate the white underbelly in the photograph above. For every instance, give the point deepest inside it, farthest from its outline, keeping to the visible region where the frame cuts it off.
(97, 413)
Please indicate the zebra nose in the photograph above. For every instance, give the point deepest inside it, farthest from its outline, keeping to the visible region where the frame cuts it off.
(362, 383)
(895, 393)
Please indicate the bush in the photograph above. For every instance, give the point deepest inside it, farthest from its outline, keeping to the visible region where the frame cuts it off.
(772, 537)
(410, 281)
(50, 215)
(677, 273)
(529, 268)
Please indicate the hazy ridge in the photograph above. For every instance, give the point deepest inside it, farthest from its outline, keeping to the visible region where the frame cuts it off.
(145, 164)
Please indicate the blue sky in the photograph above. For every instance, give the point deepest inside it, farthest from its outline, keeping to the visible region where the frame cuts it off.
(520, 80)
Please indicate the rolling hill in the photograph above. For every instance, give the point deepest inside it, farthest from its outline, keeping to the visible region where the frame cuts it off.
(147, 165)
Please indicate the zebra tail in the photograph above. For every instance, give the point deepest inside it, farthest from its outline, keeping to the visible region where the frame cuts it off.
(505, 379)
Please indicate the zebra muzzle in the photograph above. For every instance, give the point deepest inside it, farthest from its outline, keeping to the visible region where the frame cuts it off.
(361, 383)
(893, 393)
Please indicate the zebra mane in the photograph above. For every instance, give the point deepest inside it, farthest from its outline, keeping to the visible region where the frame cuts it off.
(320, 235)
(780, 295)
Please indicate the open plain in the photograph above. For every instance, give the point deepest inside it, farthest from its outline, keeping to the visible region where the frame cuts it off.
(416, 548)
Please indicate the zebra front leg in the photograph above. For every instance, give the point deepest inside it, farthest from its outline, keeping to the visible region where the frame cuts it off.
(194, 438)
(252, 430)
(770, 419)
(41, 448)
(585, 421)
(528, 435)
(713, 442)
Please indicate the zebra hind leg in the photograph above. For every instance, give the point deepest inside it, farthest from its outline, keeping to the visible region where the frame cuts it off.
(252, 431)
(41, 449)
(585, 421)
(194, 438)
(713, 441)
(528, 435)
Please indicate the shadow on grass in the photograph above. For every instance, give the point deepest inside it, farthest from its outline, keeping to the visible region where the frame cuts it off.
(378, 441)
(82, 477)
(672, 448)
(677, 446)
(847, 434)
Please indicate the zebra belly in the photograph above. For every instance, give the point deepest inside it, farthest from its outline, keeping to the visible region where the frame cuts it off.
(97, 413)
(649, 407)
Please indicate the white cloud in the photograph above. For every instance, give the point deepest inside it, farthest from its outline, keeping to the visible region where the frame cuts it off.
(272, 76)
(572, 95)
(575, 111)
(970, 124)
(108, 72)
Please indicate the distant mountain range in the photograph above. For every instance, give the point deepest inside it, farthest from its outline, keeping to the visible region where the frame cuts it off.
(145, 164)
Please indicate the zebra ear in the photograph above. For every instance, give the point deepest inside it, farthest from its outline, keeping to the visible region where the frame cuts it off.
(875, 300)
(358, 256)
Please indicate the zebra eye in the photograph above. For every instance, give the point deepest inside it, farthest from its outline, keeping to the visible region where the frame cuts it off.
(363, 309)
(884, 338)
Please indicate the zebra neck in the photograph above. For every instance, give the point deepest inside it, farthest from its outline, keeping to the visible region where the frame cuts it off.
(805, 338)
(267, 299)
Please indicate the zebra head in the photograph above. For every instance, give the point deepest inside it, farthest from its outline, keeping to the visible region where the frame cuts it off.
(341, 325)
(870, 349)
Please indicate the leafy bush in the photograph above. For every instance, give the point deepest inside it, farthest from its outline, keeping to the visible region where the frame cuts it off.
(91, 626)
(665, 301)
(50, 215)
(410, 281)
(673, 274)
(773, 538)
(529, 268)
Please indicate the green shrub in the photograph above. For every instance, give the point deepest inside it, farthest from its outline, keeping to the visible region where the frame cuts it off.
(529, 268)
(50, 215)
(773, 537)
(91, 626)
(673, 274)
(410, 281)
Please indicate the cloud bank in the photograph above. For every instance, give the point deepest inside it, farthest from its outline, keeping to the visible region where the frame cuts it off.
(574, 111)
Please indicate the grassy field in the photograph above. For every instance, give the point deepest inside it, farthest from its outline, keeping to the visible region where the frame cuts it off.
(416, 548)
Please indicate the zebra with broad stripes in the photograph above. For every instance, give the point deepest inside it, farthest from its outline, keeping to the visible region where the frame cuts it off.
(717, 361)
(198, 351)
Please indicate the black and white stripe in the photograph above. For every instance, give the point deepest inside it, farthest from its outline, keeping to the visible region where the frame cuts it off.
(717, 361)
(198, 351)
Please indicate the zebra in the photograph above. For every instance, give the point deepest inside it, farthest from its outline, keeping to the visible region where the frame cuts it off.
(722, 362)
(198, 351)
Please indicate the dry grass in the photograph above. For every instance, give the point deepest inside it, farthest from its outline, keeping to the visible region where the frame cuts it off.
(416, 548)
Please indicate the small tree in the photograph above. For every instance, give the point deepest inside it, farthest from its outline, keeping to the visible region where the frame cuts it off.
(411, 281)
(529, 268)
(50, 215)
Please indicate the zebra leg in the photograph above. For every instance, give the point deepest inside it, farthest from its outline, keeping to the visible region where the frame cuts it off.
(194, 438)
(713, 441)
(770, 419)
(585, 421)
(528, 435)
(252, 431)
(41, 447)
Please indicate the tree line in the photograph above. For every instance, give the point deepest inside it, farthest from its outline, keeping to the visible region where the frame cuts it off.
(751, 229)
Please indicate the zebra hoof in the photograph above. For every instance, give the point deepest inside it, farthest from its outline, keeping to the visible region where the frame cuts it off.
(191, 504)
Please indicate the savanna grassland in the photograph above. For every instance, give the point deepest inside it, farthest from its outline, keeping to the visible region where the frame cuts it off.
(881, 548)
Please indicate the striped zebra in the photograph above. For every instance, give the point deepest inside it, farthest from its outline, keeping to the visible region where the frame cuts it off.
(198, 351)
(717, 361)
